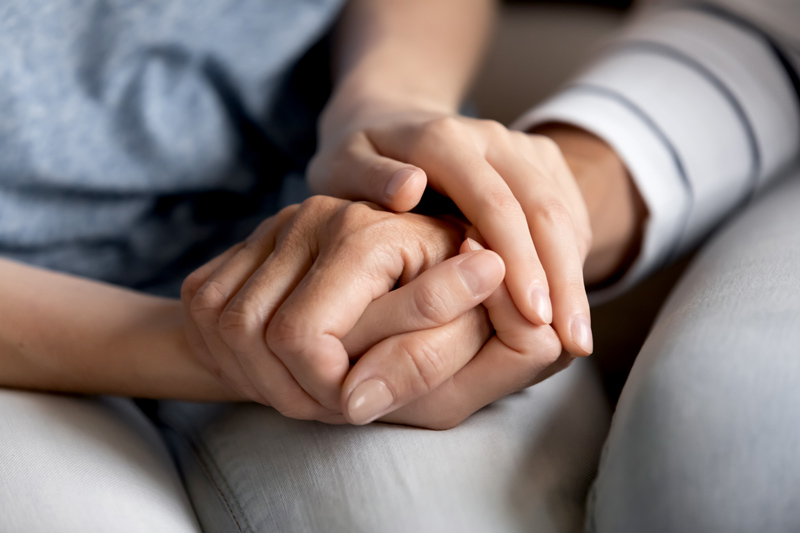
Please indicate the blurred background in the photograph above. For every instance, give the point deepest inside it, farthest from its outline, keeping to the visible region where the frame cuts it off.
(538, 46)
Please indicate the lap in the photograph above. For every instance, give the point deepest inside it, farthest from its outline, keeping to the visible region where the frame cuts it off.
(707, 430)
(522, 464)
(82, 464)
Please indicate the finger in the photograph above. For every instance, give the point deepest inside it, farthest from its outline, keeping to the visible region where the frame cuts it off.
(198, 277)
(457, 166)
(409, 366)
(350, 273)
(305, 332)
(210, 300)
(245, 319)
(435, 298)
(551, 222)
(363, 174)
(515, 358)
(559, 253)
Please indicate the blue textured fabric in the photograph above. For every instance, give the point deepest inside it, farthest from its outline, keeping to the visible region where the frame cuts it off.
(133, 132)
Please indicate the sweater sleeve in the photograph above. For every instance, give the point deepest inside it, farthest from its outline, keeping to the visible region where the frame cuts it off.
(701, 103)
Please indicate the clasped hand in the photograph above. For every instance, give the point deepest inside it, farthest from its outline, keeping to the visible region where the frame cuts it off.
(515, 188)
(342, 312)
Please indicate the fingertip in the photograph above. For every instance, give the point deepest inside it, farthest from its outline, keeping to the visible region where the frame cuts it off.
(470, 245)
(481, 271)
(580, 330)
(540, 305)
(367, 401)
(404, 189)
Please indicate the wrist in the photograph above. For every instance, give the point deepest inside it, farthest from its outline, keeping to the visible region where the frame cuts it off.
(365, 99)
(616, 210)
(161, 350)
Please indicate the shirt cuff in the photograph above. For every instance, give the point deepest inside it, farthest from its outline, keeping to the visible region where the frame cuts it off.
(645, 155)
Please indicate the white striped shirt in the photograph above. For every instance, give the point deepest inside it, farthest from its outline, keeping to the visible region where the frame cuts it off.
(700, 100)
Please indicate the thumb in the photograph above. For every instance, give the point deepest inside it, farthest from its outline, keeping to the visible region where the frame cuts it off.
(360, 173)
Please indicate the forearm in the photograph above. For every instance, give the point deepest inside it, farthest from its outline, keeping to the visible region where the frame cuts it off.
(61, 333)
(400, 51)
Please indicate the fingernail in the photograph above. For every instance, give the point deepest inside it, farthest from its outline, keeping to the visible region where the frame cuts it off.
(540, 302)
(475, 271)
(398, 181)
(368, 400)
(582, 333)
(474, 245)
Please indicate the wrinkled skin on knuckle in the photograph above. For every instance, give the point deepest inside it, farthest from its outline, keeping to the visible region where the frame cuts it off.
(424, 363)
(437, 239)
(498, 204)
(315, 211)
(287, 335)
(238, 324)
(301, 225)
(434, 133)
(534, 344)
(552, 213)
(432, 304)
(208, 303)
(360, 221)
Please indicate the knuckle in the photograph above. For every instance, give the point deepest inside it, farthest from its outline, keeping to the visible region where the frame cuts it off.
(497, 200)
(237, 324)
(431, 304)
(520, 137)
(317, 203)
(425, 363)
(286, 335)
(314, 208)
(287, 213)
(363, 230)
(447, 125)
(539, 346)
(208, 303)
(191, 285)
(353, 217)
(552, 212)
(438, 130)
(545, 145)
(495, 128)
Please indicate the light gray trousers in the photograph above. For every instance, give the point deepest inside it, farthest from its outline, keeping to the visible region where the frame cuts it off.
(705, 438)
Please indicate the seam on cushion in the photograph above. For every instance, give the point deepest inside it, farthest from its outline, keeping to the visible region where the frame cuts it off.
(200, 456)
(210, 468)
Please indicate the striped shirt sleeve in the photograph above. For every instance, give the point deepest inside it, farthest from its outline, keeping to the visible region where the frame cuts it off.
(701, 104)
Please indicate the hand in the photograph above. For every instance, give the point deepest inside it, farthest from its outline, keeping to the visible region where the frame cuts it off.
(517, 356)
(514, 187)
(277, 317)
